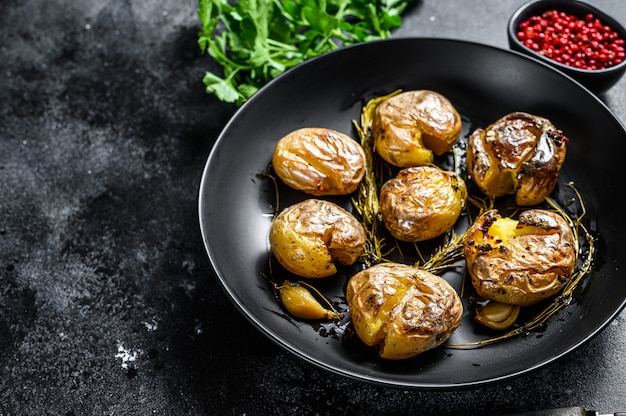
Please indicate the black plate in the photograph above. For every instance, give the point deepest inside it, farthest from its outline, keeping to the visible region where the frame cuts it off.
(484, 83)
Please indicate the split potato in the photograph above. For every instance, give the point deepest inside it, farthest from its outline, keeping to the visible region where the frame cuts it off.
(319, 161)
(520, 154)
(520, 262)
(403, 309)
(422, 202)
(411, 127)
(307, 238)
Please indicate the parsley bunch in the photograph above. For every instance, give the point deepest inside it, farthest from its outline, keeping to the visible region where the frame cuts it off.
(256, 40)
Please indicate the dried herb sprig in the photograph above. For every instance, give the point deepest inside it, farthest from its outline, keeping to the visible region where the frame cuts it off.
(444, 258)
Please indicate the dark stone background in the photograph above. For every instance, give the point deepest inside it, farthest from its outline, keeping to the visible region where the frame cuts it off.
(108, 305)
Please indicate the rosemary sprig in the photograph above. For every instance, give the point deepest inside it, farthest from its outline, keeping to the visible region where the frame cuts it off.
(445, 256)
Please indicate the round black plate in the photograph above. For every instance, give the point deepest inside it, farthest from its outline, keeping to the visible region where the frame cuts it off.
(484, 83)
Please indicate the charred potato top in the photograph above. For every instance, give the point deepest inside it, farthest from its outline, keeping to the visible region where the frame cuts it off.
(319, 161)
(307, 238)
(422, 202)
(409, 127)
(404, 309)
(519, 262)
(520, 154)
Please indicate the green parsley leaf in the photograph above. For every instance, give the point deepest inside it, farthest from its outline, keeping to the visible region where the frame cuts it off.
(254, 41)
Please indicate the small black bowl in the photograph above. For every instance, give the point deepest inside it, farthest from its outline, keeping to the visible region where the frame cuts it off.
(598, 81)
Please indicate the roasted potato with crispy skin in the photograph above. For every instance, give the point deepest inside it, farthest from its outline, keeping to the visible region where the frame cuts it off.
(408, 128)
(520, 154)
(319, 161)
(520, 262)
(307, 238)
(404, 309)
(422, 202)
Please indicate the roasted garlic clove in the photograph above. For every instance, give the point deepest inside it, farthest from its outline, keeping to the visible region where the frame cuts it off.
(496, 315)
(299, 301)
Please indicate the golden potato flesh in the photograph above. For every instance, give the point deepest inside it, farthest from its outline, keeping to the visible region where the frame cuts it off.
(422, 202)
(519, 154)
(319, 161)
(408, 128)
(403, 309)
(519, 262)
(307, 238)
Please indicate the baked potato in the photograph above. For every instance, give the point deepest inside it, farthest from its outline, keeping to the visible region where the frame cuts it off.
(319, 161)
(307, 238)
(411, 127)
(520, 262)
(422, 202)
(520, 154)
(404, 309)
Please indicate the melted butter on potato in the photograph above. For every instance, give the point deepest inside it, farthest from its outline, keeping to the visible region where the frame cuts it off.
(403, 309)
(307, 238)
(520, 154)
(422, 202)
(519, 262)
(411, 127)
(319, 161)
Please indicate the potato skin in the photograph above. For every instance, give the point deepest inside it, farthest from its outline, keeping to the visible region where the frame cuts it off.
(520, 154)
(308, 237)
(519, 262)
(404, 309)
(408, 128)
(319, 161)
(422, 202)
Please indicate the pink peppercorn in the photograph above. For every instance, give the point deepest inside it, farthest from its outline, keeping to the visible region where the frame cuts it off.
(584, 43)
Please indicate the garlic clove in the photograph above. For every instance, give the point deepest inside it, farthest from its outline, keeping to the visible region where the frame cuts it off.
(496, 315)
(299, 301)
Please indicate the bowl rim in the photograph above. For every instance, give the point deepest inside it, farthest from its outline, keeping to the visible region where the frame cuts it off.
(533, 7)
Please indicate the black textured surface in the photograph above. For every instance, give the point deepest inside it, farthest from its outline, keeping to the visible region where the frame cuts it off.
(108, 305)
